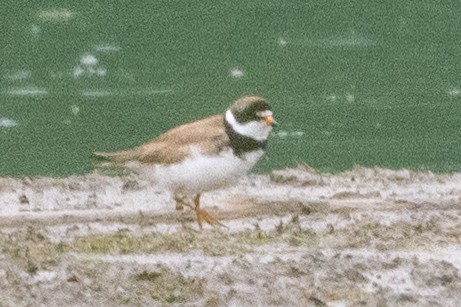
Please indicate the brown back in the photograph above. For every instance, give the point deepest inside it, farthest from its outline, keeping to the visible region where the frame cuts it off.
(208, 135)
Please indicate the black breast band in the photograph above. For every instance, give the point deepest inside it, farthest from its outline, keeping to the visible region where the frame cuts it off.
(241, 144)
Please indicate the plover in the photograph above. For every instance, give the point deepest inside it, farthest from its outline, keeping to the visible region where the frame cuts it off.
(203, 155)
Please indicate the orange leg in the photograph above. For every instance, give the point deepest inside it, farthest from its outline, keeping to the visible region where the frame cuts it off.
(202, 215)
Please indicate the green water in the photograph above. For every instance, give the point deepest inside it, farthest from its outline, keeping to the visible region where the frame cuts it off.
(351, 82)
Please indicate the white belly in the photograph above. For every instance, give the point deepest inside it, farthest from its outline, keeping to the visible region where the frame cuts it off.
(203, 173)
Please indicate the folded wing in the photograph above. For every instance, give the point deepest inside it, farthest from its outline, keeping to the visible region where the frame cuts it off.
(207, 135)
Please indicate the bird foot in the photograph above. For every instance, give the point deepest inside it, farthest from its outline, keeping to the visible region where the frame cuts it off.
(203, 215)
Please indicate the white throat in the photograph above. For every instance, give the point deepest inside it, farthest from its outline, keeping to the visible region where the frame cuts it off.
(257, 130)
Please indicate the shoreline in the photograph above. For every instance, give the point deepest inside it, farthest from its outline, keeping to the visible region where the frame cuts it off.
(364, 236)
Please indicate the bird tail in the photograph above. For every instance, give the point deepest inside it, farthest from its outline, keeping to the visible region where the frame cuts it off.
(113, 163)
(116, 157)
(104, 155)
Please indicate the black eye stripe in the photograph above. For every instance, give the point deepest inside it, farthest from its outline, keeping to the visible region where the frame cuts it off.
(251, 112)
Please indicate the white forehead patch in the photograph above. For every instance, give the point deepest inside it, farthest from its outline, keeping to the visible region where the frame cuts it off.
(257, 130)
(264, 113)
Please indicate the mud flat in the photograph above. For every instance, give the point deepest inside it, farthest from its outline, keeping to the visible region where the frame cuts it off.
(371, 237)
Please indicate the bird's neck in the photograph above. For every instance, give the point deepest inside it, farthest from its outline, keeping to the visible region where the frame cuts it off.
(245, 138)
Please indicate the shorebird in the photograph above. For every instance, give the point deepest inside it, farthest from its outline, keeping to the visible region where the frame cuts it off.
(203, 155)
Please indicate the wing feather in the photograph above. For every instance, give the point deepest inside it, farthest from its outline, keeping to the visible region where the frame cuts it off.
(207, 135)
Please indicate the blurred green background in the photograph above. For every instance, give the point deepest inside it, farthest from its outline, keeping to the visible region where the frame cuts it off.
(351, 82)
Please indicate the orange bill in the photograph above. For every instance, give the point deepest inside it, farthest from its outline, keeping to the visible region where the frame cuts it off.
(269, 120)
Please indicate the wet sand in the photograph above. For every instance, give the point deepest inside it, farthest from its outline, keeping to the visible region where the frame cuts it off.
(295, 238)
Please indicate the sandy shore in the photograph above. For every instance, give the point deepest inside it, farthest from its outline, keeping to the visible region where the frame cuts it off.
(371, 237)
